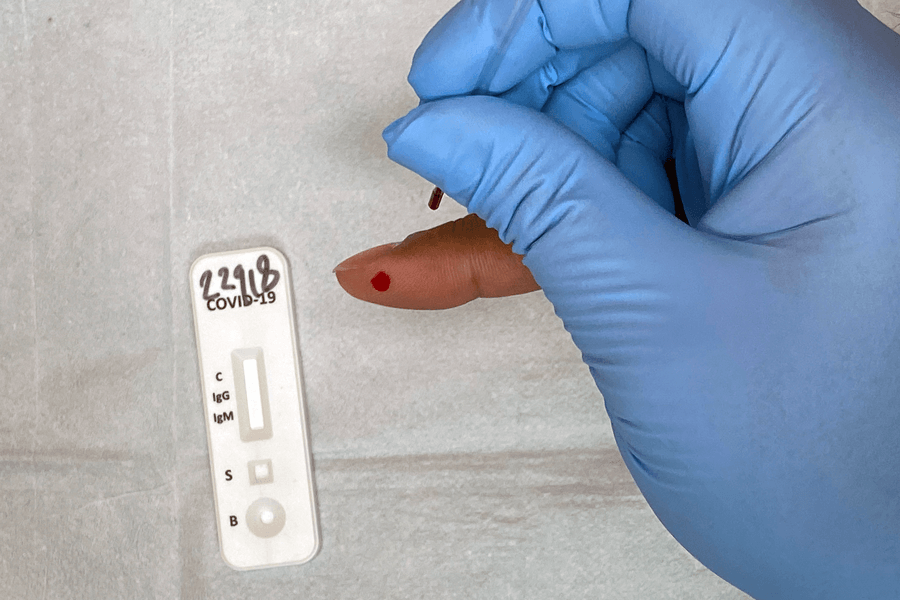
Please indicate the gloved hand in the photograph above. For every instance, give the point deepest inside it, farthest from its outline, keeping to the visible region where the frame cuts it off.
(749, 362)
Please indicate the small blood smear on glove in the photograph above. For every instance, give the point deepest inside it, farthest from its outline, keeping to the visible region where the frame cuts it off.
(381, 281)
(435, 201)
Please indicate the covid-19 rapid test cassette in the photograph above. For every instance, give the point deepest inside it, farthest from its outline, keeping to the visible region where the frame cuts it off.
(256, 421)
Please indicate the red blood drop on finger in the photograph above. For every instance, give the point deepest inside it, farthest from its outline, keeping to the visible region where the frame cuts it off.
(381, 281)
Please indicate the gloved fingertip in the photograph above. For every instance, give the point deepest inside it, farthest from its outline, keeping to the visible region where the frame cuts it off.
(393, 131)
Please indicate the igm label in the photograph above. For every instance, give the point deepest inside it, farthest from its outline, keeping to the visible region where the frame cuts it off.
(222, 417)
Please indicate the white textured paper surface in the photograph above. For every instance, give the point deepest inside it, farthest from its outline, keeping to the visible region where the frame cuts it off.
(458, 454)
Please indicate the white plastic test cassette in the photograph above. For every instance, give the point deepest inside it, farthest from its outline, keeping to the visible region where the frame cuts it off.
(255, 416)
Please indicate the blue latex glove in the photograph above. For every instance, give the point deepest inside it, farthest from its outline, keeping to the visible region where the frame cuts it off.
(750, 362)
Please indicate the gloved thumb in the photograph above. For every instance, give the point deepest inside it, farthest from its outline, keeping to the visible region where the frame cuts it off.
(609, 258)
